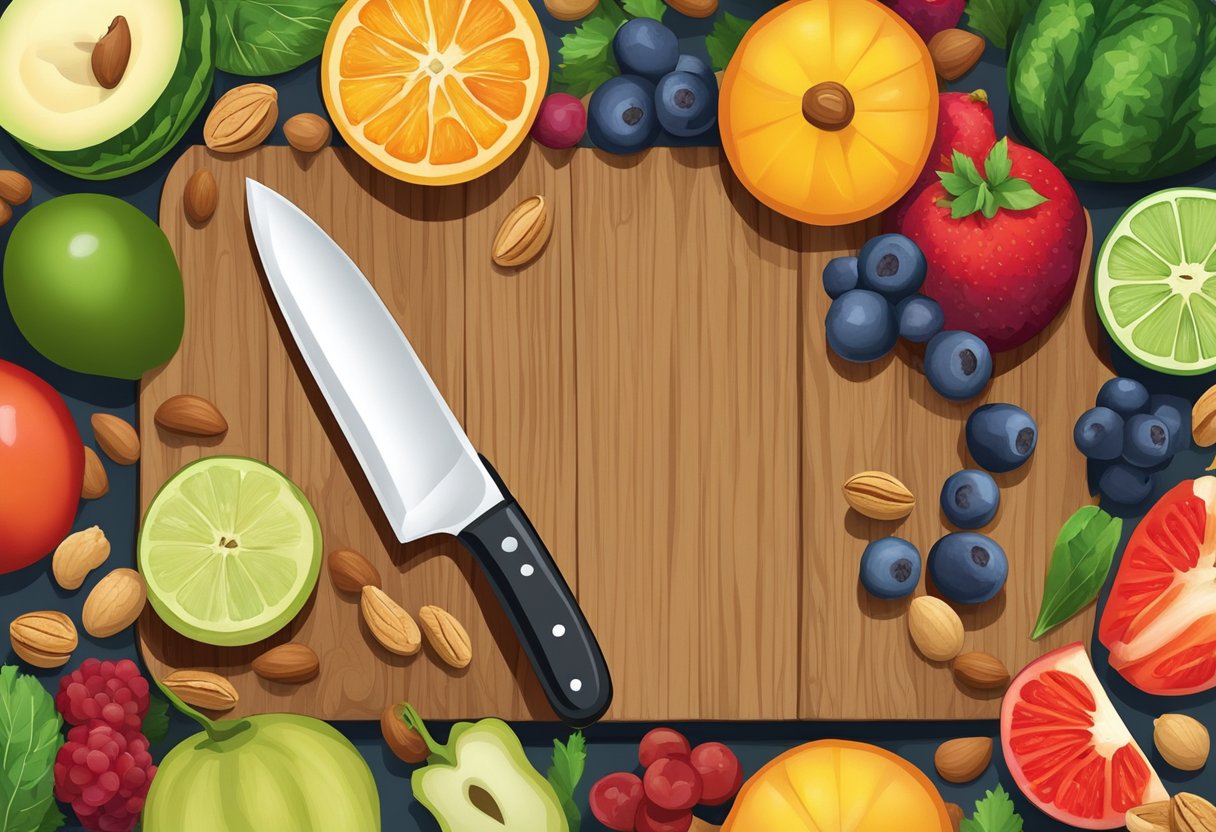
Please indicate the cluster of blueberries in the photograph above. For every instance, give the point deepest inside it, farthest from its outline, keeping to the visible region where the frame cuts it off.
(1132, 435)
(967, 567)
(659, 89)
(875, 303)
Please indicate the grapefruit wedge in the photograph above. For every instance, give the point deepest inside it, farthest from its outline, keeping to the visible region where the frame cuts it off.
(1068, 749)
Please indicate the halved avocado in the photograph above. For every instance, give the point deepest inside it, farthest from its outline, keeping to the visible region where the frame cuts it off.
(56, 108)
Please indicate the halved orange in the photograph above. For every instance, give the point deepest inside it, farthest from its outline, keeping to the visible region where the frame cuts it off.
(434, 91)
(828, 109)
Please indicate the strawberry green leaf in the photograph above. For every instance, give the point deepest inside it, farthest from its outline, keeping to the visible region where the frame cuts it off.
(724, 39)
(988, 203)
(998, 165)
(968, 203)
(1018, 195)
(954, 184)
(987, 193)
(964, 167)
(654, 9)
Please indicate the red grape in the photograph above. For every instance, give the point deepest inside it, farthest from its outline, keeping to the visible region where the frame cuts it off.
(721, 774)
(651, 818)
(615, 800)
(672, 783)
(660, 743)
(560, 122)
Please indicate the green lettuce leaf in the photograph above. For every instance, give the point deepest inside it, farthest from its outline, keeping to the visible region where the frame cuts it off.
(29, 738)
(266, 37)
(565, 772)
(1080, 562)
(997, 20)
(724, 39)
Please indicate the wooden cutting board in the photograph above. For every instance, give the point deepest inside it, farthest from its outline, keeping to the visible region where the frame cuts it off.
(656, 390)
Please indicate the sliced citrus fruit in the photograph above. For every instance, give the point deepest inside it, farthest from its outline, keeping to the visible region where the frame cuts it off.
(1067, 747)
(828, 109)
(838, 786)
(1155, 281)
(230, 550)
(1160, 619)
(434, 91)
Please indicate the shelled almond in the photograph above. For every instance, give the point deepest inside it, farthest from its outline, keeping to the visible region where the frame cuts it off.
(96, 482)
(78, 555)
(202, 689)
(955, 52)
(307, 132)
(201, 196)
(242, 118)
(114, 604)
(964, 759)
(447, 636)
(1182, 740)
(982, 671)
(292, 663)
(350, 571)
(191, 415)
(116, 438)
(393, 627)
(43, 639)
(878, 495)
(15, 188)
(935, 628)
(523, 233)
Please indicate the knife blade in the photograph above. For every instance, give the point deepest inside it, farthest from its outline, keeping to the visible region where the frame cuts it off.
(424, 471)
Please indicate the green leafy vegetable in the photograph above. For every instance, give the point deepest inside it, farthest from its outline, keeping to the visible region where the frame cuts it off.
(586, 52)
(266, 37)
(654, 9)
(156, 720)
(987, 192)
(1079, 565)
(997, 20)
(993, 813)
(29, 739)
(566, 771)
(724, 39)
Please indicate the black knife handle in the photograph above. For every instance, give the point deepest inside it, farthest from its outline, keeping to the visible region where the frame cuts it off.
(542, 609)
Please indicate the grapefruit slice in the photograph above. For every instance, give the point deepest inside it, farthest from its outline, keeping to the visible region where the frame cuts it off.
(1160, 620)
(434, 91)
(1068, 749)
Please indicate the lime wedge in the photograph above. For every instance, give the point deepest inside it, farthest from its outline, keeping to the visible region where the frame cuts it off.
(1155, 282)
(230, 550)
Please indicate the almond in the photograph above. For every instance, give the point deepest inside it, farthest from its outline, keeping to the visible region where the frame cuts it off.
(955, 52)
(956, 814)
(96, 482)
(307, 132)
(1151, 817)
(43, 639)
(114, 604)
(350, 571)
(935, 627)
(293, 663)
(1191, 813)
(447, 636)
(1203, 419)
(6, 213)
(878, 496)
(202, 689)
(523, 233)
(964, 759)
(1182, 740)
(191, 415)
(242, 118)
(201, 196)
(391, 625)
(78, 555)
(982, 671)
(570, 9)
(401, 739)
(694, 8)
(116, 438)
(15, 188)
(112, 54)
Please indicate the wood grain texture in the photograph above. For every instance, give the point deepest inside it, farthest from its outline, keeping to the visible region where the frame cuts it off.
(859, 660)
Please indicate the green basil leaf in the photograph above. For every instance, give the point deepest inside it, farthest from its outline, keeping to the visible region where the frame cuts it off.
(1080, 562)
(29, 738)
(266, 37)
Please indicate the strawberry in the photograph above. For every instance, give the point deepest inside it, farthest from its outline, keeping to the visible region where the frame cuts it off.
(1003, 245)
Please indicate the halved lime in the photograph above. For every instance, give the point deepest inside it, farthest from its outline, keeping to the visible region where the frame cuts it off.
(1155, 282)
(230, 550)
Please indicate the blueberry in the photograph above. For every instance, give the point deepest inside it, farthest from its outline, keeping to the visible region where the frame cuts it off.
(685, 104)
(892, 265)
(646, 47)
(1175, 411)
(1099, 433)
(1125, 485)
(957, 364)
(698, 67)
(1146, 441)
(1000, 437)
(621, 118)
(861, 326)
(967, 567)
(1125, 396)
(920, 318)
(890, 568)
(839, 276)
(970, 498)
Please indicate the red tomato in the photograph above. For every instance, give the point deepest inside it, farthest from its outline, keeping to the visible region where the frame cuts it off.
(41, 468)
(1160, 621)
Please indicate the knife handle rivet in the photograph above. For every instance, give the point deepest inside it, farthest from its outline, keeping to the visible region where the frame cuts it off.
(558, 631)
(526, 570)
(576, 685)
(509, 544)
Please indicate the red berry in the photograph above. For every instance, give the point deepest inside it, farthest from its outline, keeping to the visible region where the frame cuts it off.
(615, 799)
(560, 122)
(660, 743)
(651, 818)
(928, 17)
(114, 693)
(104, 773)
(673, 783)
(721, 774)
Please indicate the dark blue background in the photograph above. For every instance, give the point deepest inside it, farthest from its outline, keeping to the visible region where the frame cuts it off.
(611, 747)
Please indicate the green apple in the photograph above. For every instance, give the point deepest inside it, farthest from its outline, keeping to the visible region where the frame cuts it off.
(93, 285)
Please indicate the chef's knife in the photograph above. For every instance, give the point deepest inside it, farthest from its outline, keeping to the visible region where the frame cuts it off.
(421, 465)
